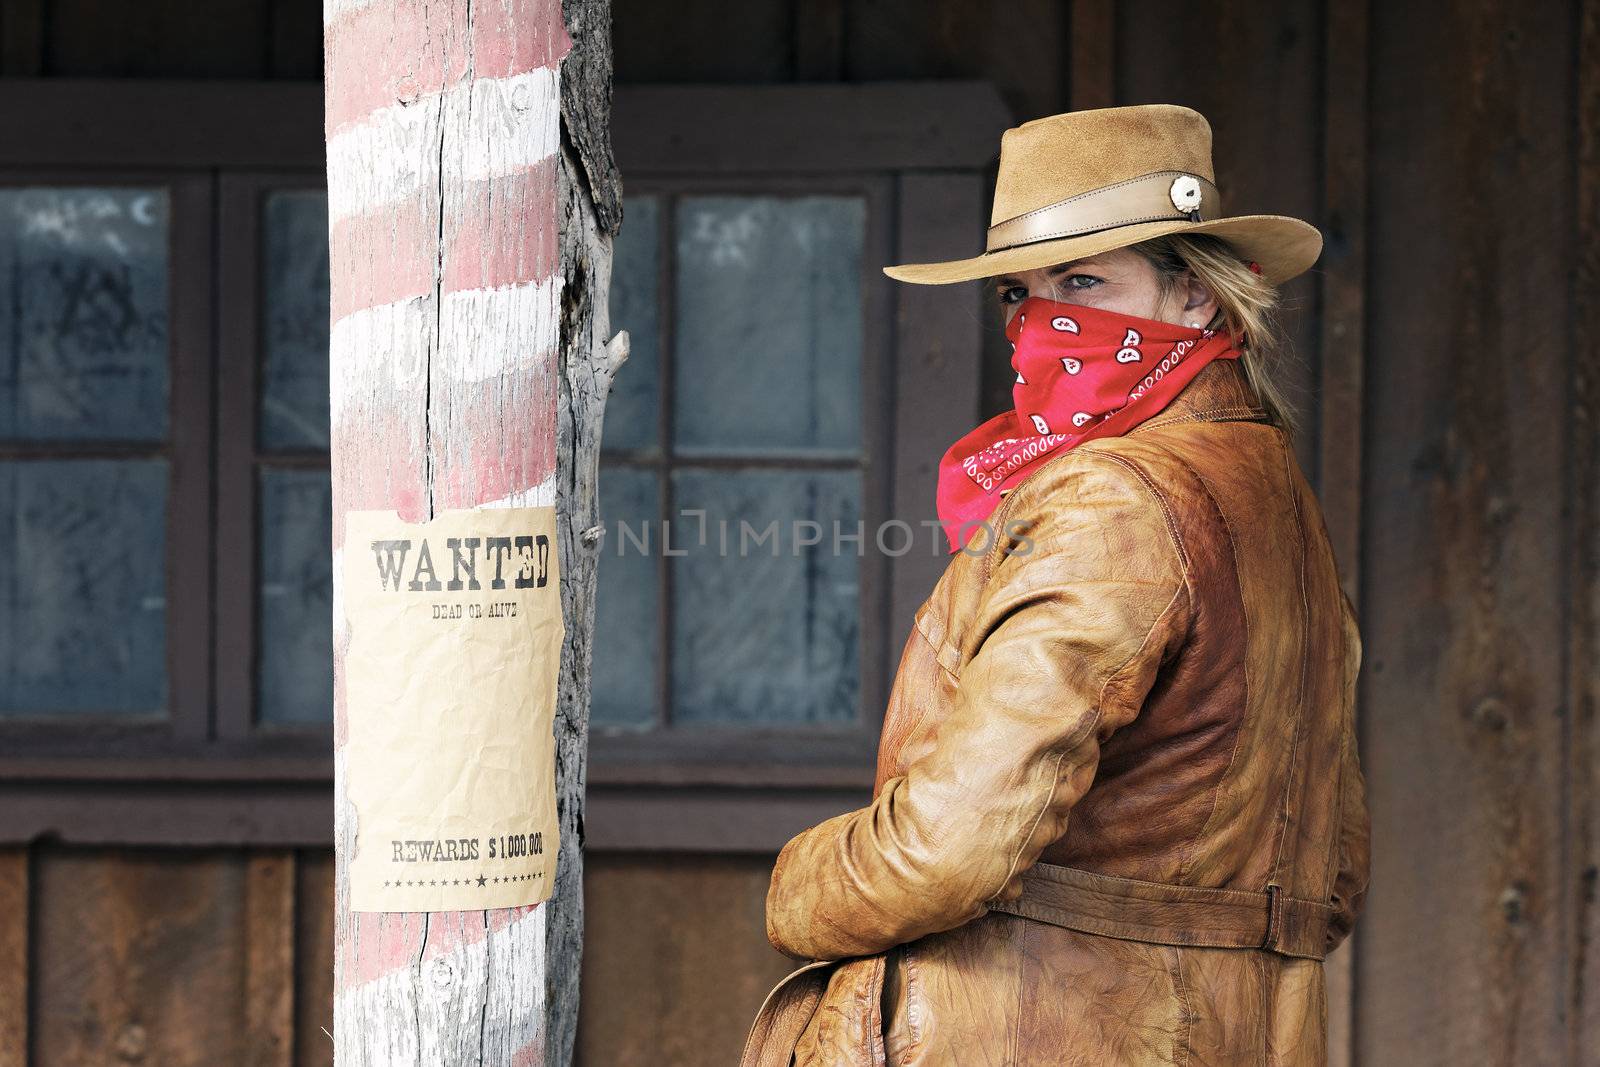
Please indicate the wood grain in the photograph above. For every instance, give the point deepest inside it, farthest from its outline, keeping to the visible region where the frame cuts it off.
(1251, 68)
(269, 946)
(1341, 341)
(674, 983)
(445, 302)
(1583, 558)
(140, 957)
(1470, 214)
(589, 202)
(938, 338)
(313, 958)
(1092, 67)
(16, 910)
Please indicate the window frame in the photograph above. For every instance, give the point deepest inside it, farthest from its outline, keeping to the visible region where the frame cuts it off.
(714, 753)
(241, 201)
(186, 448)
(213, 778)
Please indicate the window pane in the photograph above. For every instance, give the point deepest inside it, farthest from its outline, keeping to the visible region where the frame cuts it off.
(83, 587)
(759, 638)
(83, 313)
(631, 410)
(627, 642)
(296, 597)
(294, 372)
(768, 329)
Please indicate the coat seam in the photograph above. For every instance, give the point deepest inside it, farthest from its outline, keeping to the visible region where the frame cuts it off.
(1299, 704)
(913, 1004)
(1242, 413)
(1087, 731)
(940, 644)
(1026, 934)
(1334, 857)
(1191, 852)
(1173, 531)
(1187, 1013)
(1099, 704)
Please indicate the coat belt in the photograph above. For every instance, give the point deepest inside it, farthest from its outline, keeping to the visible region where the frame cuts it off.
(1164, 914)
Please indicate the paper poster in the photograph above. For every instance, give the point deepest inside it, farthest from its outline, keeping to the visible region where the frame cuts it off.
(450, 685)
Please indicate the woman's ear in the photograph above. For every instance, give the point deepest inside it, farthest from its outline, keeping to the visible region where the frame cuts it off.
(1199, 305)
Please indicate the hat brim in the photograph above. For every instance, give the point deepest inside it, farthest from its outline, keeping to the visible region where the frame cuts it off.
(1284, 247)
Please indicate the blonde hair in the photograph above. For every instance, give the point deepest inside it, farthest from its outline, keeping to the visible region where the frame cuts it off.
(1246, 308)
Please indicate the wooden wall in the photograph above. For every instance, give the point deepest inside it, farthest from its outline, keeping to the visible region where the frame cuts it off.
(1450, 376)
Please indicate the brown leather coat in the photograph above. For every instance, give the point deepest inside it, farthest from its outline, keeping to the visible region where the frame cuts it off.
(1119, 814)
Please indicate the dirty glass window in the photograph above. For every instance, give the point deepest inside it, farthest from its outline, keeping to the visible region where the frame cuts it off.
(732, 463)
(294, 496)
(84, 369)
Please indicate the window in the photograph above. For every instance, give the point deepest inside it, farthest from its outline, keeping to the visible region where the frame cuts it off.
(274, 474)
(84, 316)
(102, 364)
(165, 585)
(736, 471)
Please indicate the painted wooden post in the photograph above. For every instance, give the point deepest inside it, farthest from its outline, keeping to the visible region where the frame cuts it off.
(446, 195)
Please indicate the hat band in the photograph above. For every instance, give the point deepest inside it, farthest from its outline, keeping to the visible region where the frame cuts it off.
(1163, 195)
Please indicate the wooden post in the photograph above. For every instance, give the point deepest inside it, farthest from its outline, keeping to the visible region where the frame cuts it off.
(445, 195)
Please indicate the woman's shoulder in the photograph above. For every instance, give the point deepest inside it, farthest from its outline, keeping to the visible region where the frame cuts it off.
(1100, 487)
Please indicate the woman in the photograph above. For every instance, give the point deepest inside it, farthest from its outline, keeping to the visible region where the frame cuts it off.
(1119, 816)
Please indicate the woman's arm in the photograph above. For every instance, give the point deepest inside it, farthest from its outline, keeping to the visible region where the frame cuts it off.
(1071, 633)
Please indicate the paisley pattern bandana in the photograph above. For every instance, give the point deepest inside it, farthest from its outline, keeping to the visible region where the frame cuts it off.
(1082, 373)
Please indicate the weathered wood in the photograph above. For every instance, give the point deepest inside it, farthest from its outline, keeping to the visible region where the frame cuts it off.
(313, 958)
(701, 129)
(938, 339)
(161, 38)
(1264, 103)
(676, 983)
(710, 821)
(819, 40)
(269, 970)
(442, 124)
(21, 38)
(139, 957)
(97, 122)
(15, 912)
(591, 210)
(1341, 343)
(1583, 559)
(1016, 48)
(1469, 279)
(1091, 65)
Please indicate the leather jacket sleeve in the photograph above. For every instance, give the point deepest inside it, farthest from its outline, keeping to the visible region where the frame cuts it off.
(1350, 882)
(1084, 601)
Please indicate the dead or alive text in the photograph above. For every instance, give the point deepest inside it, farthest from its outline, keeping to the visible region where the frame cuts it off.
(500, 609)
(529, 557)
(449, 849)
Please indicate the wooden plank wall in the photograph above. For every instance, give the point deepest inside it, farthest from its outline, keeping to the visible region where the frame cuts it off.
(1450, 378)
(1466, 514)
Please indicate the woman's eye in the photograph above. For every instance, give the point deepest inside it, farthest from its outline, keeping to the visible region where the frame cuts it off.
(1082, 281)
(1013, 294)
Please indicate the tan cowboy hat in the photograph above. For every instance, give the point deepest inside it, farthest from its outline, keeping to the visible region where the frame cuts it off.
(1075, 185)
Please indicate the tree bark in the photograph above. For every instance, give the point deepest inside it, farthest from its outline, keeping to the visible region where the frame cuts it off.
(591, 211)
(453, 350)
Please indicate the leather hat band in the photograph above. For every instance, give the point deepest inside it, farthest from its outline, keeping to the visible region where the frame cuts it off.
(1159, 196)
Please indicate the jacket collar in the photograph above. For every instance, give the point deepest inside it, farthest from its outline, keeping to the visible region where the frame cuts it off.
(1219, 392)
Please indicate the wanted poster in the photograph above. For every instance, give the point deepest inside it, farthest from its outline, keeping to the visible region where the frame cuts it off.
(450, 684)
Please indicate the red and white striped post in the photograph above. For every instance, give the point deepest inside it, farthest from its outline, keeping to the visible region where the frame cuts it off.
(443, 133)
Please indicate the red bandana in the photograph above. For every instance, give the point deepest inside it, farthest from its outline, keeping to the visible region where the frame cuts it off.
(1082, 373)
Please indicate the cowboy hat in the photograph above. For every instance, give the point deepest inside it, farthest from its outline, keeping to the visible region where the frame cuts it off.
(1086, 182)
